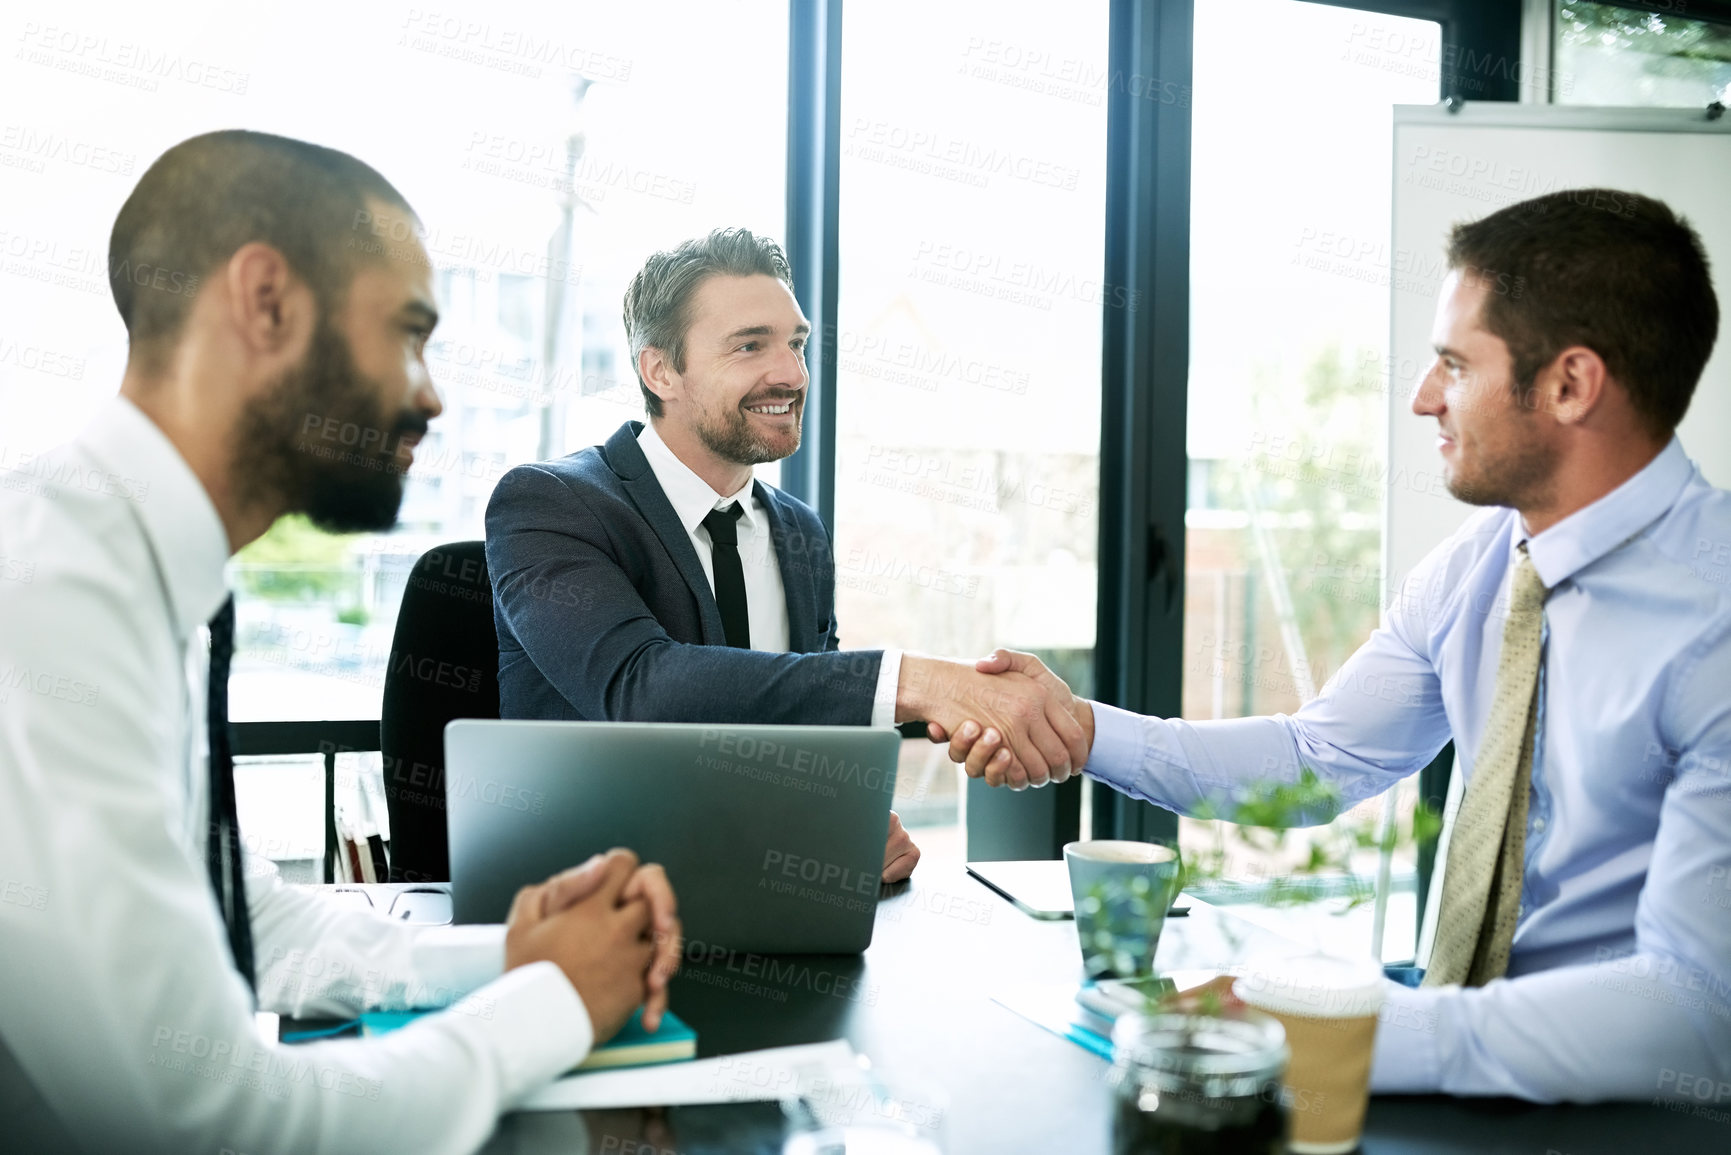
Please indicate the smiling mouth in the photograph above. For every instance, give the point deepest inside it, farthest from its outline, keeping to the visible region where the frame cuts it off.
(771, 410)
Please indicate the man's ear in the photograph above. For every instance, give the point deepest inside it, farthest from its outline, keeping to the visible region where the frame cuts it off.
(659, 375)
(271, 309)
(1572, 386)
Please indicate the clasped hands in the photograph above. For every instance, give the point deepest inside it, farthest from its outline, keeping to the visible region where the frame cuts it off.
(612, 926)
(1007, 718)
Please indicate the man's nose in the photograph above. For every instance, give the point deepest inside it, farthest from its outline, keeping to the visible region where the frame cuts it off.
(789, 370)
(427, 398)
(1427, 400)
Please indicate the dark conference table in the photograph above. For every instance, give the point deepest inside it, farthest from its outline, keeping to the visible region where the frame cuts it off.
(919, 1003)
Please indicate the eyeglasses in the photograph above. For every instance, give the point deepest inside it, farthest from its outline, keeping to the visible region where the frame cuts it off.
(416, 905)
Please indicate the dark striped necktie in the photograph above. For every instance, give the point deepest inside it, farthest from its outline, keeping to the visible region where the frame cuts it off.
(223, 849)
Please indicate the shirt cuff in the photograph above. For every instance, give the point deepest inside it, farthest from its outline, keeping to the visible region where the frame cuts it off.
(889, 677)
(1116, 756)
(1408, 1058)
(537, 1023)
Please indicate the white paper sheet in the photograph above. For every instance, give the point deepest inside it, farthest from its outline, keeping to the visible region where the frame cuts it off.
(752, 1076)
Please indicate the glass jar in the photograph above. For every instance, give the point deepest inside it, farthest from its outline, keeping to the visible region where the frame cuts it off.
(1187, 1084)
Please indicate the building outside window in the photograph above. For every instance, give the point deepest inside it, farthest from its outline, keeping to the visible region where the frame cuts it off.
(1607, 54)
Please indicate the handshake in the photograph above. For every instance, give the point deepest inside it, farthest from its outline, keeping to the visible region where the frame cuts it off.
(1007, 718)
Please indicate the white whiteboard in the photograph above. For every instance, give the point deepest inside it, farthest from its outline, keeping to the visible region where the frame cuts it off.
(1451, 167)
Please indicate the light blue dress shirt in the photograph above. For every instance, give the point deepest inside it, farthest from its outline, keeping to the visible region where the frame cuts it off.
(1619, 982)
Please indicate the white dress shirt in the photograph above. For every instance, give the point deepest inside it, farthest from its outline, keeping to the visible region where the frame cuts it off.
(123, 1023)
(1619, 981)
(692, 499)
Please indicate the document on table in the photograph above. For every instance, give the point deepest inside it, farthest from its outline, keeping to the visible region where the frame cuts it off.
(752, 1076)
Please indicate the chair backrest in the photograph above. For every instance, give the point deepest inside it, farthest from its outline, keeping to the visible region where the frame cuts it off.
(444, 664)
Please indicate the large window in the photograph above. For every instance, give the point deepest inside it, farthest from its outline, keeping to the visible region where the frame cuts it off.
(547, 147)
(1290, 275)
(971, 242)
(553, 154)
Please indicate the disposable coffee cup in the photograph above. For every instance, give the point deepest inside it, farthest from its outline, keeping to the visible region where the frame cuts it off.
(1329, 1008)
(1121, 890)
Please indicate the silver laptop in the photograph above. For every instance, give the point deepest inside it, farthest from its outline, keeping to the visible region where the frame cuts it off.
(773, 836)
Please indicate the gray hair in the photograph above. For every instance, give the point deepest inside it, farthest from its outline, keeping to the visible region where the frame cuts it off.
(658, 301)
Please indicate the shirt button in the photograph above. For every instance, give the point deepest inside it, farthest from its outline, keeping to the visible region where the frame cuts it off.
(1538, 824)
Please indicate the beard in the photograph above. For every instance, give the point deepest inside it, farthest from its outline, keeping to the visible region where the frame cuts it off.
(729, 434)
(319, 443)
(1520, 477)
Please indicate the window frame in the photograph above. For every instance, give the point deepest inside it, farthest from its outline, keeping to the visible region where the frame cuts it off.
(1139, 652)
(814, 31)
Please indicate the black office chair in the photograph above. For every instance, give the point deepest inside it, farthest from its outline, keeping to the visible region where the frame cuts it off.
(444, 665)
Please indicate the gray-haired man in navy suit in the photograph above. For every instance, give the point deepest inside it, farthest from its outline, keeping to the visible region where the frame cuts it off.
(652, 579)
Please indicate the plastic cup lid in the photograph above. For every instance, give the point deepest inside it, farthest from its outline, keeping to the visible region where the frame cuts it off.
(1313, 985)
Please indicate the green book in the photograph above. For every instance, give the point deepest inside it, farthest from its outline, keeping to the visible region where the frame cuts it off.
(631, 1047)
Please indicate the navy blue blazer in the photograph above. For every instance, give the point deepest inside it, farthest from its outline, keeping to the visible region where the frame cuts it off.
(603, 612)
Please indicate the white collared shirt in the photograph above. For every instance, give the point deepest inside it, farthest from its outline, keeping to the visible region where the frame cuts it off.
(123, 1023)
(692, 499)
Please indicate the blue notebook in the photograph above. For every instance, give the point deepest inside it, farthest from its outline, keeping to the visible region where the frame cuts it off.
(1069, 1013)
(1054, 1007)
(631, 1047)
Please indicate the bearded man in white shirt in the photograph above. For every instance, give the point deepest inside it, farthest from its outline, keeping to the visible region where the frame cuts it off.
(273, 292)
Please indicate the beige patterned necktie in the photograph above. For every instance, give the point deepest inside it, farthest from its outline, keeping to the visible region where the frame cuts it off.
(1481, 898)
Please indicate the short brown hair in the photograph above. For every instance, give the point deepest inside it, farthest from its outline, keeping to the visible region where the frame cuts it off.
(658, 301)
(1615, 271)
(208, 196)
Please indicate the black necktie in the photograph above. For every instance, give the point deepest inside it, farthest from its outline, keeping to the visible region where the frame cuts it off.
(729, 574)
(223, 849)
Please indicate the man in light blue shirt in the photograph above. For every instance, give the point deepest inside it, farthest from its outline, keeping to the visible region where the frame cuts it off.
(1571, 333)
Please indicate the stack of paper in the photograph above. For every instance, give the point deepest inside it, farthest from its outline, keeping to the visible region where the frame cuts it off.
(754, 1076)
